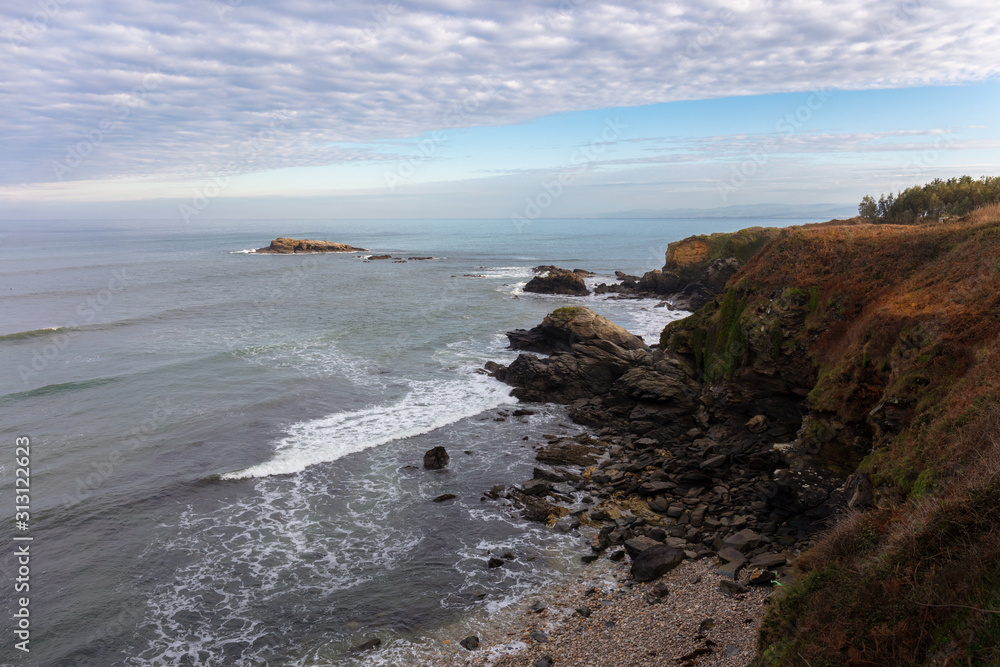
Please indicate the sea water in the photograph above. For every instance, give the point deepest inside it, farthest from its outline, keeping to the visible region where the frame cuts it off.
(226, 447)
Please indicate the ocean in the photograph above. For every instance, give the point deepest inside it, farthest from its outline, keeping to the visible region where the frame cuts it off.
(226, 448)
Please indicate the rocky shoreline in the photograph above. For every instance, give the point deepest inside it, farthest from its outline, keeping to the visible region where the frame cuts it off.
(675, 470)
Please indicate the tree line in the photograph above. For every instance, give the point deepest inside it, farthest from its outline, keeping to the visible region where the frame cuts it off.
(953, 197)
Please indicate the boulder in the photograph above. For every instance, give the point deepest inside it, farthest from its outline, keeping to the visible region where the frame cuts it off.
(655, 562)
(743, 541)
(436, 458)
(470, 643)
(589, 353)
(287, 246)
(637, 545)
(565, 327)
(558, 281)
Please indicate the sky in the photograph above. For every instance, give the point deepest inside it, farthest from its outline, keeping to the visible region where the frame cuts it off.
(486, 109)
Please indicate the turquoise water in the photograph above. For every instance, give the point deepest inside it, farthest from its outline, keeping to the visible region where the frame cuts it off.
(226, 447)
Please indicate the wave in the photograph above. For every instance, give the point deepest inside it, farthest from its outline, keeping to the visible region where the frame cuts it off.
(33, 333)
(57, 388)
(429, 405)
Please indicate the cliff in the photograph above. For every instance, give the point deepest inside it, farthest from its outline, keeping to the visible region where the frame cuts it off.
(843, 375)
(696, 268)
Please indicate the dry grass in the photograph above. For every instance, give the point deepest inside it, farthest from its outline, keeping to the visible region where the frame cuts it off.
(918, 581)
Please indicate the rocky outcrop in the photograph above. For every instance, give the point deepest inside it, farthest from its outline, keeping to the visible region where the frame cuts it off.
(287, 246)
(589, 354)
(565, 327)
(558, 281)
(696, 268)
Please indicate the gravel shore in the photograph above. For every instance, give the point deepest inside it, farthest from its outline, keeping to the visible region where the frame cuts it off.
(694, 624)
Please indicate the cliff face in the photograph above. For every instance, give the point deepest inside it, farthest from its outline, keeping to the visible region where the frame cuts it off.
(891, 337)
(838, 366)
(697, 268)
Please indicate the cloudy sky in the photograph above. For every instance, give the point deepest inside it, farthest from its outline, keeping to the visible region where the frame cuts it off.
(486, 108)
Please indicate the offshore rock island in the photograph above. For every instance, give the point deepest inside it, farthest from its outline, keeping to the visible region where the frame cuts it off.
(287, 246)
(827, 419)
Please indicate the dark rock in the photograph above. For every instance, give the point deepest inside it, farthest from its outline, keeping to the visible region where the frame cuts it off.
(616, 555)
(859, 491)
(657, 594)
(758, 424)
(713, 461)
(558, 281)
(494, 562)
(744, 541)
(569, 454)
(768, 561)
(732, 588)
(521, 412)
(584, 611)
(731, 570)
(436, 458)
(547, 661)
(659, 505)
(589, 558)
(367, 646)
(548, 475)
(759, 577)
(470, 643)
(731, 555)
(444, 496)
(637, 545)
(539, 636)
(566, 524)
(656, 561)
(537, 487)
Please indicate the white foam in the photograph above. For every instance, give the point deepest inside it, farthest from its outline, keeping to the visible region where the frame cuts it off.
(648, 320)
(428, 405)
(507, 272)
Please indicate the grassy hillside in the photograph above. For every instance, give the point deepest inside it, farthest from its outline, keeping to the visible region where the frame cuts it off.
(890, 333)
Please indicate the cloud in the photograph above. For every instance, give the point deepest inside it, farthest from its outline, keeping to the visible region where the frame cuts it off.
(155, 89)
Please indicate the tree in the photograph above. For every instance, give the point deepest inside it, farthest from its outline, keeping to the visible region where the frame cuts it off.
(868, 209)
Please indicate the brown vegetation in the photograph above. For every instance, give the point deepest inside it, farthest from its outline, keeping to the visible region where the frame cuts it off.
(907, 316)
